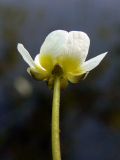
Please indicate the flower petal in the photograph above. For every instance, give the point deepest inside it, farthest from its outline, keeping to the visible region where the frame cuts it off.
(94, 62)
(78, 44)
(38, 73)
(37, 62)
(75, 78)
(54, 43)
(25, 54)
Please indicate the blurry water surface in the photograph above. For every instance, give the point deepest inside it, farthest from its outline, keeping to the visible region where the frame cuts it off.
(90, 110)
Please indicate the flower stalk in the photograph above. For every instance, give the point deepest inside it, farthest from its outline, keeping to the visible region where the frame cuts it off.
(55, 120)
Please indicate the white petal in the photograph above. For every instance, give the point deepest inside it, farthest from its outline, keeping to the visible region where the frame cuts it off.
(78, 44)
(25, 54)
(54, 43)
(94, 62)
(37, 61)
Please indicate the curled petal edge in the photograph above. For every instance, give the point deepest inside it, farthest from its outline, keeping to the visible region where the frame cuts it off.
(38, 73)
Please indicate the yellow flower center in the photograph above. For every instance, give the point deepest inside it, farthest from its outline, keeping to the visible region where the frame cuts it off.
(68, 63)
(67, 67)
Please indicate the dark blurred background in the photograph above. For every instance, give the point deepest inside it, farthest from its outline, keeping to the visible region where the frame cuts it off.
(90, 110)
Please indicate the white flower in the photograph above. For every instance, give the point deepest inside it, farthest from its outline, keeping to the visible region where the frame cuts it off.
(62, 54)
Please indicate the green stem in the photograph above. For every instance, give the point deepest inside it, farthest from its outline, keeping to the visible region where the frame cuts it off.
(55, 121)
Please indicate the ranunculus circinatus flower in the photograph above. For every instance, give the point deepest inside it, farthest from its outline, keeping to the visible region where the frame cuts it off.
(62, 54)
